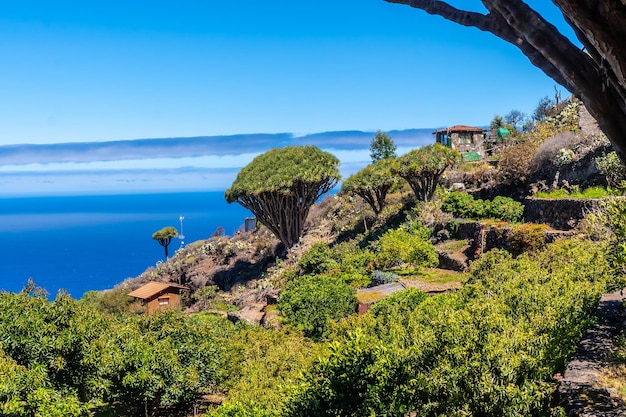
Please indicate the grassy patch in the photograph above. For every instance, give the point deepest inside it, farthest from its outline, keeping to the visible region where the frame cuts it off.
(440, 276)
(591, 192)
(453, 245)
(370, 296)
(434, 276)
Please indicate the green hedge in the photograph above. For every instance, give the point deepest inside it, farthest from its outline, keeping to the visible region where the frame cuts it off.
(500, 208)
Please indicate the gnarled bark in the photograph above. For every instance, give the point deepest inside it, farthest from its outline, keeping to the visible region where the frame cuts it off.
(284, 214)
(596, 73)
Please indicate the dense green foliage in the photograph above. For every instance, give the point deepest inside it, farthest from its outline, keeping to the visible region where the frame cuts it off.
(500, 208)
(260, 363)
(422, 168)
(280, 186)
(613, 217)
(346, 261)
(527, 237)
(398, 246)
(65, 358)
(372, 183)
(382, 147)
(489, 350)
(310, 301)
(319, 259)
(113, 301)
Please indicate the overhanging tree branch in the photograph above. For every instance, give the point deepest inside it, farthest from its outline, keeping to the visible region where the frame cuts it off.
(596, 74)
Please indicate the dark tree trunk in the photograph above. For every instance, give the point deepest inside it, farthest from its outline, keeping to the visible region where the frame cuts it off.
(596, 73)
(165, 242)
(284, 214)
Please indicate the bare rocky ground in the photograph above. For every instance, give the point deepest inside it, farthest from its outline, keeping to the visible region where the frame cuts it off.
(581, 392)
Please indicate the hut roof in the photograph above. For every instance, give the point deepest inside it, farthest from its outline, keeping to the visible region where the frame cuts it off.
(460, 128)
(373, 294)
(153, 288)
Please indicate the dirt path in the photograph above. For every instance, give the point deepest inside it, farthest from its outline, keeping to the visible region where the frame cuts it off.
(580, 391)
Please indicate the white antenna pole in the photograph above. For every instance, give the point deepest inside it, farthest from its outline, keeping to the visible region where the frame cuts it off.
(181, 235)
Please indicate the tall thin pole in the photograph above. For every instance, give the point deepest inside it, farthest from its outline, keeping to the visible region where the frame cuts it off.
(181, 235)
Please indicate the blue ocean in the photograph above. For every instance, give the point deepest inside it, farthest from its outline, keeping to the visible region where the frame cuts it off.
(102, 234)
(83, 243)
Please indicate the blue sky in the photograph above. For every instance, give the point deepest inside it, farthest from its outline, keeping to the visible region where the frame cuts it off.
(85, 71)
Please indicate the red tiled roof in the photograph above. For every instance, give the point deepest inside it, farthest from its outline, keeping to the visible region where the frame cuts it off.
(460, 128)
(153, 288)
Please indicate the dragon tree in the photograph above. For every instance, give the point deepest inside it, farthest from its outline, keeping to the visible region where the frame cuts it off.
(422, 168)
(372, 184)
(164, 237)
(280, 186)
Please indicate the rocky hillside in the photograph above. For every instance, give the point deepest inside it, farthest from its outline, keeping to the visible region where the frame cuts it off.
(245, 268)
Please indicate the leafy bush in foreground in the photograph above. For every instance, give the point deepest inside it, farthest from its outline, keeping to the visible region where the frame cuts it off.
(489, 350)
(318, 259)
(612, 168)
(527, 237)
(259, 364)
(65, 358)
(310, 301)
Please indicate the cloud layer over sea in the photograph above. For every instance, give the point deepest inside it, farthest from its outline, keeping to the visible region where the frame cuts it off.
(170, 164)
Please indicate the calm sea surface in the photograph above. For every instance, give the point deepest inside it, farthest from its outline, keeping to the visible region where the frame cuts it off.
(87, 243)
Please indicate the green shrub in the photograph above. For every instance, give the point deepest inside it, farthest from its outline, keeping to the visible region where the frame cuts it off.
(310, 301)
(463, 205)
(613, 217)
(398, 304)
(505, 208)
(527, 237)
(501, 208)
(346, 261)
(60, 357)
(414, 225)
(351, 257)
(612, 168)
(400, 246)
(489, 350)
(258, 364)
(114, 301)
(318, 259)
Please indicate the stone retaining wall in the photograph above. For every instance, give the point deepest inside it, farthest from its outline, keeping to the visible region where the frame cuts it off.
(581, 390)
(562, 214)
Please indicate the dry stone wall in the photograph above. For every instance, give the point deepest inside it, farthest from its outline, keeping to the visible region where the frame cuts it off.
(562, 214)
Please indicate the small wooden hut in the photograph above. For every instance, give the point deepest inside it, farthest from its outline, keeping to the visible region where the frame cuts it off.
(159, 295)
(465, 139)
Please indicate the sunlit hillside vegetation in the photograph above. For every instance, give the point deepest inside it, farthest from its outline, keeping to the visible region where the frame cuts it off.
(485, 341)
